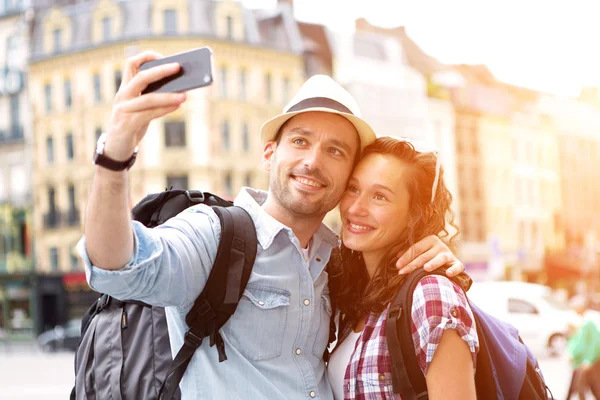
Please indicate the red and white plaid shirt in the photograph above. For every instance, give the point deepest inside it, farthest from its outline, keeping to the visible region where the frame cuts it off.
(438, 304)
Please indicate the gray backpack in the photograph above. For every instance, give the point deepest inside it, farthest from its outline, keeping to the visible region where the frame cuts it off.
(124, 351)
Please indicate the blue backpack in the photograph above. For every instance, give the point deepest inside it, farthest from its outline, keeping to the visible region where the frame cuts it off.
(506, 368)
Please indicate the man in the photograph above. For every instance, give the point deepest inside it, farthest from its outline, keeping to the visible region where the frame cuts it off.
(276, 338)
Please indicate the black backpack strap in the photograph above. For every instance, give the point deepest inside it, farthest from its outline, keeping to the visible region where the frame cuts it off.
(407, 378)
(222, 292)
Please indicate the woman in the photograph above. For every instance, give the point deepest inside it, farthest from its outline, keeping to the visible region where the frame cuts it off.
(397, 195)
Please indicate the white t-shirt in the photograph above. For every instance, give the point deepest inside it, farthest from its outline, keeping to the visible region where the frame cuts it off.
(336, 369)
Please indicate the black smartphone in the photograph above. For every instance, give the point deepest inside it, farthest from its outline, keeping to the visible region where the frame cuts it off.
(196, 71)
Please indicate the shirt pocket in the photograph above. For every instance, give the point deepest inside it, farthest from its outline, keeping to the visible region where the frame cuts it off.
(257, 327)
(324, 320)
(377, 384)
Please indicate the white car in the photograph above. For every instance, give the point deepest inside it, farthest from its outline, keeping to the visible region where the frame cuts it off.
(542, 321)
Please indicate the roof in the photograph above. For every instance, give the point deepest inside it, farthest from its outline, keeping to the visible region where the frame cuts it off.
(280, 32)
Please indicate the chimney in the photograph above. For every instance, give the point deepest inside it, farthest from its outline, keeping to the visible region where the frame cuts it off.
(362, 25)
(290, 3)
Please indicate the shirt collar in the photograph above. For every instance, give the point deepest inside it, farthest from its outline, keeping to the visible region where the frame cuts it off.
(268, 227)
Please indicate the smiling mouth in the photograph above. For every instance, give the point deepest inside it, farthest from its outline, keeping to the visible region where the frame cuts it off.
(308, 182)
(359, 228)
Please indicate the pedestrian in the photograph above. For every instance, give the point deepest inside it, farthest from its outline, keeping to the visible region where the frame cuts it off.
(276, 339)
(584, 352)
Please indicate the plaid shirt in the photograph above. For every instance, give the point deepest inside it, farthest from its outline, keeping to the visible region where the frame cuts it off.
(438, 304)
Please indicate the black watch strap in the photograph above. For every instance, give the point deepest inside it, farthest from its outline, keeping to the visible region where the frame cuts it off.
(107, 162)
(114, 165)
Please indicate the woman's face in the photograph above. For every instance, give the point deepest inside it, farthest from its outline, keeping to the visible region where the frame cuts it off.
(374, 209)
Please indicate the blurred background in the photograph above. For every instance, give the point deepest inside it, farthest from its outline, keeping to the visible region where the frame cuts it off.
(508, 91)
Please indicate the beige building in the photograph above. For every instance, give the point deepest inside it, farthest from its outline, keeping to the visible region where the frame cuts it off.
(15, 134)
(212, 143)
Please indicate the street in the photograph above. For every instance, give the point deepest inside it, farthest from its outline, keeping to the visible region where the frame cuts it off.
(28, 374)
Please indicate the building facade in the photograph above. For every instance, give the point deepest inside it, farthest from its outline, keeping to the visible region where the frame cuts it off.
(211, 143)
(578, 130)
(376, 65)
(15, 169)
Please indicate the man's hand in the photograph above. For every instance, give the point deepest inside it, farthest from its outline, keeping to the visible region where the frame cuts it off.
(132, 111)
(430, 253)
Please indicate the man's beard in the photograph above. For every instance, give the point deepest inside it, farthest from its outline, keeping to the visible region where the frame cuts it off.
(296, 204)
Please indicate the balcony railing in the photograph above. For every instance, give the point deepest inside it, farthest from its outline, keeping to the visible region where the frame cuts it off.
(14, 134)
(73, 217)
(52, 220)
(57, 219)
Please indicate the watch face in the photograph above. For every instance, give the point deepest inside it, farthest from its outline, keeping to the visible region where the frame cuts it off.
(101, 143)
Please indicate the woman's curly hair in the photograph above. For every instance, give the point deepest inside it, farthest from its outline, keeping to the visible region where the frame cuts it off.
(352, 292)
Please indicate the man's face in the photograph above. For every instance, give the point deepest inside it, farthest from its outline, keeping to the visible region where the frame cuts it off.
(310, 167)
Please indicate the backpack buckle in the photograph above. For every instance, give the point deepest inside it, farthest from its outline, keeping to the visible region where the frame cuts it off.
(103, 302)
(195, 196)
(395, 312)
(192, 339)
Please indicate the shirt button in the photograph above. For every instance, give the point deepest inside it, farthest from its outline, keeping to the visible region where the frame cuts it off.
(298, 351)
(312, 394)
(261, 303)
(307, 302)
(454, 312)
(381, 377)
(318, 259)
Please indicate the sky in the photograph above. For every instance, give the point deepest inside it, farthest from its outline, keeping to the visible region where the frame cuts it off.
(551, 45)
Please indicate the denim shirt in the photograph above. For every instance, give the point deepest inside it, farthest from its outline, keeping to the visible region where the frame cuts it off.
(276, 338)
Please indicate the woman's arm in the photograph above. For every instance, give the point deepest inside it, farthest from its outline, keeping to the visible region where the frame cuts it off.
(445, 338)
(450, 374)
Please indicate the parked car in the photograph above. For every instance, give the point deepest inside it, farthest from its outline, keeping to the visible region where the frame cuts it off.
(543, 322)
(62, 337)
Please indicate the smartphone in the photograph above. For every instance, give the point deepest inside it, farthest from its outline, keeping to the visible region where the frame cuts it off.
(196, 71)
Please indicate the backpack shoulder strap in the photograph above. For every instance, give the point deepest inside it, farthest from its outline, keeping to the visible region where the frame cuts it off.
(407, 379)
(224, 288)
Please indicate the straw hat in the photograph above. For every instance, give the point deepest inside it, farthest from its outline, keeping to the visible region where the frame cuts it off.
(321, 93)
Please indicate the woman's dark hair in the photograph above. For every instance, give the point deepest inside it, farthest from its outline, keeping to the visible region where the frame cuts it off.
(352, 292)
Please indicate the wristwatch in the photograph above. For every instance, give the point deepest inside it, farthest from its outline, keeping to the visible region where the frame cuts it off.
(107, 162)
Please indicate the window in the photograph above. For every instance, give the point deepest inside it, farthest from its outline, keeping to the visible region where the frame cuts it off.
(521, 307)
(286, 90)
(97, 89)
(118, 79)
(73, 213)
(248, 179)
(225, 135)
(74, 260)
(228, 184)
(170, 20)
(70, 148)
(268, 90)
(178, 182)
(15, 112)
(51, 199)
(224, 82)
(57, 38)
(12, 44)
(72, 202)
(174, 134)
(229, 21)
(243, 84)
(97, 133)
(50, 150)
(54, 259)
(48, 98)
(68, 96)
(106, 29)
(245, 137)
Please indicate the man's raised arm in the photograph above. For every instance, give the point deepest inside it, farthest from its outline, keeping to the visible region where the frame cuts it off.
(108, 228)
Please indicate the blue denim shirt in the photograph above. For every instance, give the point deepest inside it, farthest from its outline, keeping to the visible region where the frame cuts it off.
(276, 338)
